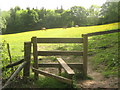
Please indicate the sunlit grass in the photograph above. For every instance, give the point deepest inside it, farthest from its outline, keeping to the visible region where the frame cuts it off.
(17, 40)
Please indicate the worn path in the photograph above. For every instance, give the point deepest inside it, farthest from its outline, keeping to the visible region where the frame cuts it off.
(98, 80)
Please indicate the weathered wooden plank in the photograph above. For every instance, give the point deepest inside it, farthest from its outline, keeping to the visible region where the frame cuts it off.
(103, 32)
(62, 53)
(60, 78)
(65, 66)
(13, 64)
(27, 57)
(85, 50)
(35, 55)
(59, 40)
(78, 66)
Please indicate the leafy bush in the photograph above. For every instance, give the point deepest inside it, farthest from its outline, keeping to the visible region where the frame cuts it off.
(6, 60)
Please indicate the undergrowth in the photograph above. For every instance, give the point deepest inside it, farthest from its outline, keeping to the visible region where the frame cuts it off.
(5, 59)
(104, 51)
(42, 82)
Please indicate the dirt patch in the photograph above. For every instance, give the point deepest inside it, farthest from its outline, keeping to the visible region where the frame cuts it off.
(98, 80)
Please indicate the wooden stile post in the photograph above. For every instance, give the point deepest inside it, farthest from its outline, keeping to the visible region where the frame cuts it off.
(85, 50)
(27, 57)
(60, 70)
(35, 56)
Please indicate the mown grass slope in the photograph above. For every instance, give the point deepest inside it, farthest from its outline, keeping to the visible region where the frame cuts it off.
(17, 40)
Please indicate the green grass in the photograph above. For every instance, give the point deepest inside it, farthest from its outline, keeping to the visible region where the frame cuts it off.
(17, 40)
(104, 52)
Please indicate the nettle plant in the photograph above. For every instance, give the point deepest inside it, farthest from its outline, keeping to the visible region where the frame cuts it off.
(5, 60)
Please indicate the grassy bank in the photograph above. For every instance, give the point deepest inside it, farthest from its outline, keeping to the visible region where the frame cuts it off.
(104, 52)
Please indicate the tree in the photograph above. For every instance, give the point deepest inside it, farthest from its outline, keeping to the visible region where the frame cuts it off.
(79, 15)
(93, 15)
(109, 12)
(66, 19)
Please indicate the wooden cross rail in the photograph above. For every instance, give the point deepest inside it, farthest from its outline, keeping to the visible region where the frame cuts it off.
(13, 64)
(65, 66)
(61, 53)
(78, 66)
(59, 40)
(60, 78)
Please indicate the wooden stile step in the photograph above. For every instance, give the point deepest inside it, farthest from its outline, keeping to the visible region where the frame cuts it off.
(65, 66)
(60, 78)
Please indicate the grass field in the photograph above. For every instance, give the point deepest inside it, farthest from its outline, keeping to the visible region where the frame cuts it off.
(103, 49)
(17, 40)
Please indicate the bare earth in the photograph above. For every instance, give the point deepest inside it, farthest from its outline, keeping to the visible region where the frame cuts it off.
(99, 81)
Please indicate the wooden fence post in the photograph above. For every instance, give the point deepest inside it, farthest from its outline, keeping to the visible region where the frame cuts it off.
(35, 56)
(27, 57)
(85, 50)
(8, 47)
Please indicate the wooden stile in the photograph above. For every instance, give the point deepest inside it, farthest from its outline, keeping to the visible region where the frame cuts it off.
(61, 64)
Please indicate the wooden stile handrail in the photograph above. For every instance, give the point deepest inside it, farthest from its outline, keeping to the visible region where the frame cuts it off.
(103, 32)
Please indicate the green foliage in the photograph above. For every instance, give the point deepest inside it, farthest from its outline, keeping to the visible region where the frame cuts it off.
(6, 60)
(19, 20)
(109, 12)
(93, 15)
(79, 15)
